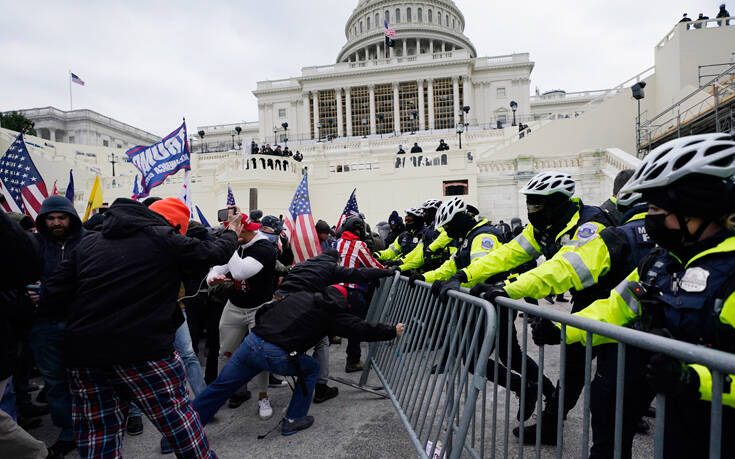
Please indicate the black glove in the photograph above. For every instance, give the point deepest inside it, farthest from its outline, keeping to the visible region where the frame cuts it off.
(543, 332)
(440, 289)
(415, 277)
(489, 291)
(669, 376)
(391, 263)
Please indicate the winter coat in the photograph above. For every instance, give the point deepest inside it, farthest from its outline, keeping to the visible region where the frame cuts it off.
(119, 289)
(301, 319)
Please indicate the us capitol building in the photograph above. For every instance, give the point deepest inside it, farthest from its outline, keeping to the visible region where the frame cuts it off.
(348, 119)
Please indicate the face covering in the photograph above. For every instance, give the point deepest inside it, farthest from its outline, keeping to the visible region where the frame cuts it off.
(669, 239)
(459, 226)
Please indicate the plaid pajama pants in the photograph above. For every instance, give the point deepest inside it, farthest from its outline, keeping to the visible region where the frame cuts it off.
(100, 399)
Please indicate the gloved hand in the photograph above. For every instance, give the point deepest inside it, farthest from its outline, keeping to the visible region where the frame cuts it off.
(669, 376)
(489, 291)
(543, 332)
(390, 263)
(440, 289)
(415, 277)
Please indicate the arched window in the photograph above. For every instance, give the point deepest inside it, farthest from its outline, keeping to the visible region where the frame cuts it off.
(421, 15)
(439, 17)
(430, 16)
(368, 22)
(408, 14)
(360, 26)
(398, 15)
(387, 16)
(447, 21)
(454, 24)
(377, 19)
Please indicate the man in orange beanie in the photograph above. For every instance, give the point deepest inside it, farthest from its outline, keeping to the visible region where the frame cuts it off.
(174, 211)
(119, 293)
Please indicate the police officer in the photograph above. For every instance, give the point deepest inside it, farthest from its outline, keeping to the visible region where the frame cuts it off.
(406, 241)
(435, 246)
(558, 224)
(686, 288)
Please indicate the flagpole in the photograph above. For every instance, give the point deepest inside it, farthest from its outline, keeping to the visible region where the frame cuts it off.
(70, 101)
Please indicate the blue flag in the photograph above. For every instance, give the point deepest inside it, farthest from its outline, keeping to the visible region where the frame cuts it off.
(158, 161)
(201, 218)
(70, 188)
(136, 192)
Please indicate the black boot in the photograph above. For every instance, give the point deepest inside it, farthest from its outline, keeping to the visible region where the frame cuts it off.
(529, 405)
(548, 428)
(322, 392)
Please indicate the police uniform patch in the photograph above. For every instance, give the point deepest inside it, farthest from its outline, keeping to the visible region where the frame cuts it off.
(694, 280)
(487, 243)
(586, 231)
(415, 240)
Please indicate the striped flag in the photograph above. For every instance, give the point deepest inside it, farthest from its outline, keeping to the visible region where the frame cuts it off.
(230, 197)
(300, 224)
(76, 79)
(388, 31)
(350, 209)
(136, 191)
(20, 182)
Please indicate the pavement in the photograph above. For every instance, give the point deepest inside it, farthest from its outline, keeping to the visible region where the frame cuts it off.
(356, 424)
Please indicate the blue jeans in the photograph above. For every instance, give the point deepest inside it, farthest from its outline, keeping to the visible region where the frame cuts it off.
(8, 400)
(182, 343)
(47, 341)
(253, 356)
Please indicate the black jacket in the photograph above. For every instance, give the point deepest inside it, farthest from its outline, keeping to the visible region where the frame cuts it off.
(315, 274)
(21, 265)
(256, 290)
(119, 288)
(416, 149)
(301, 319)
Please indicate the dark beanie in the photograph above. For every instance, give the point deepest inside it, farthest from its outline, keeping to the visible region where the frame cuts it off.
(322, 227)
(394, 218)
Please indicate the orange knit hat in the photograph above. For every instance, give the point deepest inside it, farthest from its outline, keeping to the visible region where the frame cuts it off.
(174, 211)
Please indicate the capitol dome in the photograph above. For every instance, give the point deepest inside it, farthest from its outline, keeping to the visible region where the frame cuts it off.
(422, 27)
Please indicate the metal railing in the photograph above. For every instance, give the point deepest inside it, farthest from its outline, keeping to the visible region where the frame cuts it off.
(435, 373)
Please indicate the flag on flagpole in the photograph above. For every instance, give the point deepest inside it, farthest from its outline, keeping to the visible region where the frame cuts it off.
(136, 191)
(388, 31)
(70, 188)
(300, 224)
(201, 218)
(55, 191)
(95, 198)
(20, 182)
(230, 197)
(76, 79)
(158, 161)
(185, 192)
(350, 209)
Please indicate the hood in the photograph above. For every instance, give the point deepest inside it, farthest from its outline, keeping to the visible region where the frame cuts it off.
(58, 203)
(126, 216)
(328, 255)
(258, 236)
(348, 236)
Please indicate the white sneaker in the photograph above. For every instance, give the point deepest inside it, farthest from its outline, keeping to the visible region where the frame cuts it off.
(264, 409)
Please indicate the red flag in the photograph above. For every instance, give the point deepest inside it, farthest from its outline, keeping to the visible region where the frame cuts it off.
(56, 190)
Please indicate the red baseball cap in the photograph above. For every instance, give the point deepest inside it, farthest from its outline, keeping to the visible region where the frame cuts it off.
(248, 224)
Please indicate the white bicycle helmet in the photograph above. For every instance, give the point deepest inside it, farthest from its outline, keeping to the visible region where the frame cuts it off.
(415, 211)
(707, 154)
(431, 204)
(627, 198)
(448, 210)
(547, 183)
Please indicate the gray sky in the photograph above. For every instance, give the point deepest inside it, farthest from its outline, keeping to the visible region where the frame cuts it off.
(148, 63)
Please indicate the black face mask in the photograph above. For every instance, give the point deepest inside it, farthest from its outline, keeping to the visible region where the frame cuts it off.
(459, 226)
(669, 239)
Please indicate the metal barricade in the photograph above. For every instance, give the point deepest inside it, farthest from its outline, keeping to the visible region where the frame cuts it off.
(625, 339)
(435, 373)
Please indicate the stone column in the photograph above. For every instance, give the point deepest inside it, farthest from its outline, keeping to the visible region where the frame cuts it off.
(348, 107)
(444, 46)
(455, 96)
(431, 104)
(405, 48)
(372, 108)
(431, 46)
(377, 51)
(418, 46)
(338, 97)
(304, 123)
(396, 108)
(422, 118)
(52, 134)
(262, 131)
(317, 132)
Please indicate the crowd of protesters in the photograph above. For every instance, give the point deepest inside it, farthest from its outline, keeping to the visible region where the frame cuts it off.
(112, 311)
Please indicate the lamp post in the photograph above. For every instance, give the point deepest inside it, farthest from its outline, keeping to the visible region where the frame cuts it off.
(364, 128)
(460, 130)
(319, 132)
(514, 107)
(381, 117)
(638, 94)
(275, 132)
(201, 136)
(284, 125)
(465, 112)
(113, 159)
(232, 133)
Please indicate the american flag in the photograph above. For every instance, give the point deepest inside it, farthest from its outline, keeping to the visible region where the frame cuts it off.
(20, 183)
(388, 31)
(76, 79)
(230, 197)
(300, 224)
(350, 209)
